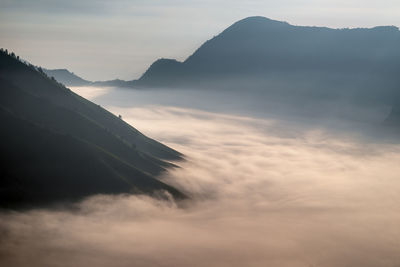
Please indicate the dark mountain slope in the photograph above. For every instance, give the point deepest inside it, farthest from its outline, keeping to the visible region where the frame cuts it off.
(69, 122)
(57, 146)
(39, 85)
(41, 167)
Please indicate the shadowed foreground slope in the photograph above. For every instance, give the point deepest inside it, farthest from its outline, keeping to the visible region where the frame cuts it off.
(56, 145)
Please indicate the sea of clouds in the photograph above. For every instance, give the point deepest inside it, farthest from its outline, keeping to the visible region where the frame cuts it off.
(262, 193)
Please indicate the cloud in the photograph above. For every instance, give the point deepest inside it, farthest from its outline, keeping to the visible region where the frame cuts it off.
(259, 198)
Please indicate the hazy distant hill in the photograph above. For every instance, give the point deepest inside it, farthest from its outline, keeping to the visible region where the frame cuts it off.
(66, 77)
(56, 145)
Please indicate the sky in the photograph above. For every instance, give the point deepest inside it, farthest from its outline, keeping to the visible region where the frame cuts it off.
(102, 40)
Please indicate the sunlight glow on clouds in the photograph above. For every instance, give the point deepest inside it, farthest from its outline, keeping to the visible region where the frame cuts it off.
(259, 198)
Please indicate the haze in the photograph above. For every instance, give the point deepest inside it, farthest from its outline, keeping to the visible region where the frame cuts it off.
(264, 143)
(101, 40)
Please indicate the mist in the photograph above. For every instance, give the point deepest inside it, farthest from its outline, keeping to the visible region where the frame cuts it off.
(262, 192)
(339, 108)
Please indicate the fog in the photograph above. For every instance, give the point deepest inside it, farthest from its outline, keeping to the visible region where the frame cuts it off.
(337, 107)
(263, 192)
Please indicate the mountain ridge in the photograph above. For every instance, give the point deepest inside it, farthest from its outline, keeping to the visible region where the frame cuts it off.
(165, 72)
(66, 77)
(289, 64)
(59, 146)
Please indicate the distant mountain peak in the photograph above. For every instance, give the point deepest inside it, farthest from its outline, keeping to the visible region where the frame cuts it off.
(66, 77)
(163, 61)
(258, 19)
(256, 23)
(163, 68)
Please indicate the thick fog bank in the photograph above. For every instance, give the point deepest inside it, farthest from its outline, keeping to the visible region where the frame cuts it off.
(335, 111)
(262, 194)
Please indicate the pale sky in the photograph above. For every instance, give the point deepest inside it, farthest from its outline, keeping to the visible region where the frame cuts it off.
(102, 39)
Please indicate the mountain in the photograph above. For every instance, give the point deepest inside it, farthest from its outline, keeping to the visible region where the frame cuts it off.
(57, 146)
(115, 83)
(256, 46)
(278, 67)
(66, 77)
(314, 71)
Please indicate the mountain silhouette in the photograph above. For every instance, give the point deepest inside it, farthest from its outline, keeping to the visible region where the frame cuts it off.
(316, 69)
(57, 146)
(66, 77)
(257, 46)
(312, 70)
